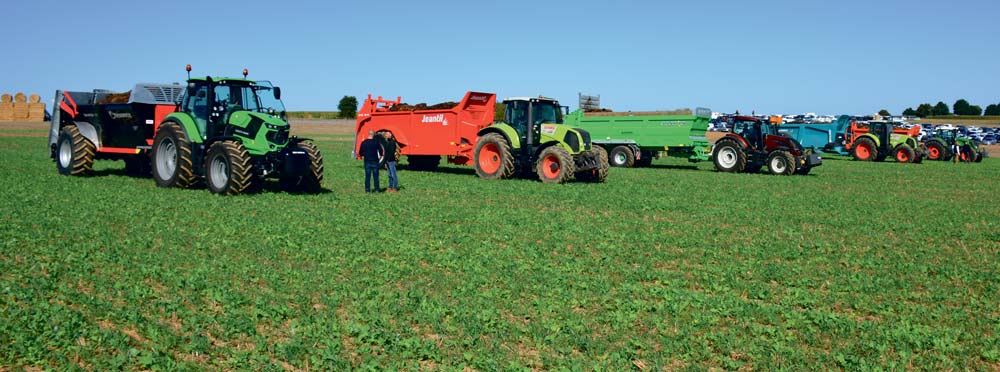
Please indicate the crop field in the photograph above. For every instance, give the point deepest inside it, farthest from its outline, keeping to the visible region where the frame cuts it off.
(857, 266)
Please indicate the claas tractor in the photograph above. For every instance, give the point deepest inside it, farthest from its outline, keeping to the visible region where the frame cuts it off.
(940, 147)
(754, 143)
(877, 140)
(232, 133)
(533, 138)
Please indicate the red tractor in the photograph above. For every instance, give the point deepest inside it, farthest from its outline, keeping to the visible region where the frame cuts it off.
(754, 143)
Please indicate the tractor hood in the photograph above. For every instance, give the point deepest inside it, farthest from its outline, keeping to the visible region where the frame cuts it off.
(262, 133)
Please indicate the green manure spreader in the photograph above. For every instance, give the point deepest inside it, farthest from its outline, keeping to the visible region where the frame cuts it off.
(635, 139)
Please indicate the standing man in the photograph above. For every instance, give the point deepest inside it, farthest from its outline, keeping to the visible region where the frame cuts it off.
(955, 151)
(390, 161)
(370, 153)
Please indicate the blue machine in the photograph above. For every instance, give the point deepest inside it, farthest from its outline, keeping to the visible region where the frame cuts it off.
(828, 138)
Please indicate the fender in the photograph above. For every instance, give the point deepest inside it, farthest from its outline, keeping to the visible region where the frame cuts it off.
(504, 130)
(187, 123)
(89, 132)
(738, 139)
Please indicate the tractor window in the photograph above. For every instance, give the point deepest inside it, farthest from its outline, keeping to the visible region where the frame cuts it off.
(263, 95)
(197, 106)
(517, 116)
(547, 112)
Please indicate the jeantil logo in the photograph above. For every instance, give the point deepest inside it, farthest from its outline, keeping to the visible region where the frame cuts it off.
(439, 118)
(482, 98)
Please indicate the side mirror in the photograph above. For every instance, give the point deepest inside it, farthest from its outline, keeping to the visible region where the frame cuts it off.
(191, 89)
(277, 93)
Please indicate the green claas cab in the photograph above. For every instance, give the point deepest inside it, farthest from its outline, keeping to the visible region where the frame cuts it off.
(533, 138)
(232, 133)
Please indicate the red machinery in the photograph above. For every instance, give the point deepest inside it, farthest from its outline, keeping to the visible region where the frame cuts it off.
(426, 135)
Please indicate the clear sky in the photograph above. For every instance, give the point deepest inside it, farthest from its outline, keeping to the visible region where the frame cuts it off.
(828, 57)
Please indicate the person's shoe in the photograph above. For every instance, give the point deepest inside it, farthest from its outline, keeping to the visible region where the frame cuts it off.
(392, 190)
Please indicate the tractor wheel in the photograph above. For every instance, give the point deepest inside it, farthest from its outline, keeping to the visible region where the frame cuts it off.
(311, 182)
(864, 150)
(138, 166)
(75, 153)
(967, 154)
(172, 165)
(980, 155)
(493, 158)
(781, 163)
(599, 174)
(228, 170)
(621, 156)
(937, 151)
(904, 154)
(729, 157)
(555, 165)
(423, 162)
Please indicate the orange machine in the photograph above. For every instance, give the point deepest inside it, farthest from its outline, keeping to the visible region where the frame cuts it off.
(429, 134)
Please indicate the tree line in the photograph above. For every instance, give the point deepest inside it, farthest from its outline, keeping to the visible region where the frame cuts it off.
(961, 107)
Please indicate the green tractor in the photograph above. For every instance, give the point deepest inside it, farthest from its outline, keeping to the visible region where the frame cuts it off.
(533, 138)
(940, 147)
(878, 140)
(232, 133)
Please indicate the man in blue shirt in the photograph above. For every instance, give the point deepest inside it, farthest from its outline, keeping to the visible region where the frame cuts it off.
(370, 152)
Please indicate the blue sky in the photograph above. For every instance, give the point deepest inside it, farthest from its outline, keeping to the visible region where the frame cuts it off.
(770, 56)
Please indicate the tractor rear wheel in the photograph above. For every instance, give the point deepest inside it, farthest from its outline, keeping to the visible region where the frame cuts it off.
(172, 165)
(781, 163)
(313, 180)
(937, 151)
(137, 165)
(493, 158)
(904, 154)
(729, 157)
(601, 172)
(864, 150)
(555, 165)
(622, 156)
(74, 153)
(228, 170)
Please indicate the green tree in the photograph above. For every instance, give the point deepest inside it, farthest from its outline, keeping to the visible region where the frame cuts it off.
(884, 112)
(348, 107)
(909, 112)
(940, 109)
(975, 110)
(924, 110)
(992, 110)
(961, 107)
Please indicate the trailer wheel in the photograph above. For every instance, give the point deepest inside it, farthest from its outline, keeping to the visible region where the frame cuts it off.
(493, 158)
(75, 153)
(904, 154)
(312, 182)
(622, 156)
(601, 172)
(781, 163)
(729, 156)
(138, 166)
(423, 162)
(172, 165)
(555, 165)
(864, 150)
(228, 170)
(937, 151)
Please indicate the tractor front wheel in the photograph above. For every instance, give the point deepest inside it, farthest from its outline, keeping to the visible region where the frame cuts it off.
(904, 154)
(312, 181)
(227, 168)
(622, 156)
(780, 162)
(967, 154)
(729, 157)
(864, 150)
(74, 153)
(555, 165)
(493, 158)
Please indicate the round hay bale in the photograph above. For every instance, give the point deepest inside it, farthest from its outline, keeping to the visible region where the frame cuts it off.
(6, 98)
(20, 98)
(34, 98)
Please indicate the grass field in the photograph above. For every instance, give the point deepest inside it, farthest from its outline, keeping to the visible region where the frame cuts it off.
(858, 266)
(313, 115)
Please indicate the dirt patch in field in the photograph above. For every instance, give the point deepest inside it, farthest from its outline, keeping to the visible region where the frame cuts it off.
(314, 127)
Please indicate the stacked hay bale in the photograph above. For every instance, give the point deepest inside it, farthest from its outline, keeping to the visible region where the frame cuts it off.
(20, 107)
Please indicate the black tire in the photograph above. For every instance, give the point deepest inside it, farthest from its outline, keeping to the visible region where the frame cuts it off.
(729, 156)
(864, 150)
(780, 162)
(423, 162)
(138, 166)
(493, 158)
(311, 182)
(968, 154)
(937, 151)
(74, 152)
(621, 156)
(228, 168)
(601, 173)
(979, 156)
(555, 165)
(172, 165)
(803, 170)
(904, 154)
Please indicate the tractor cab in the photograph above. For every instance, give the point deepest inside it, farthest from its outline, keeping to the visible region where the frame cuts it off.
(756, 132)
(526, 116)
(882, 130)
(214, 104)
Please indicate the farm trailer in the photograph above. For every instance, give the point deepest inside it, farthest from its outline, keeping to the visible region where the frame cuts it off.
(635, 139)
(229, 132)
(532, 138)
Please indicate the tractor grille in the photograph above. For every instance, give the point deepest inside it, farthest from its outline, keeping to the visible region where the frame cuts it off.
(279, 136)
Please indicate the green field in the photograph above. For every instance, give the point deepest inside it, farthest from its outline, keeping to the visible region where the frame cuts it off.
(858, 266)
(313, 115)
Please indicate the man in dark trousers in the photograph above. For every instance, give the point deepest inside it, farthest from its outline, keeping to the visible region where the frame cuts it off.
(370, 152)
(390, 161)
